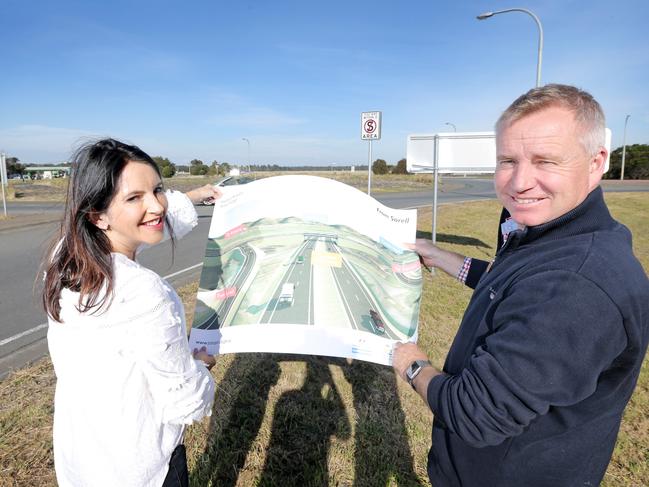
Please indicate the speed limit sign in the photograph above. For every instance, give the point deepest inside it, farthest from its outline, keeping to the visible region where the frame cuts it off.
(370, 125)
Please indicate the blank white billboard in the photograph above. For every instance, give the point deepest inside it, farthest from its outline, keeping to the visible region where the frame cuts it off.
(459, 152)
(607, 143)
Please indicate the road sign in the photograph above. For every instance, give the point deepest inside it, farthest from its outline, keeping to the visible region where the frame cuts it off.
(370, 125)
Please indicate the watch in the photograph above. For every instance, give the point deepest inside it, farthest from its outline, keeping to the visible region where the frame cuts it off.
(414, 369)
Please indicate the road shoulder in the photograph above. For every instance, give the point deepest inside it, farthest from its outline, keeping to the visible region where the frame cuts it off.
(13, 222)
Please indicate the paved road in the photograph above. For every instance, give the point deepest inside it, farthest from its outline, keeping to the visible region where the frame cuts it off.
(29, 207)
(21, 250)
(20, 310)
(327, 292)
(300, 308)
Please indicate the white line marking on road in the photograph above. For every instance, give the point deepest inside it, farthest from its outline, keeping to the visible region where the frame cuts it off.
(183, 270)
(24, 333)
(44, 325)
(348, 308)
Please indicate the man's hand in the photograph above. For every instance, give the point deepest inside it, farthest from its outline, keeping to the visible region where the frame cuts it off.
(403, 355)
(208, 360)
(432, 256)
(207, 194)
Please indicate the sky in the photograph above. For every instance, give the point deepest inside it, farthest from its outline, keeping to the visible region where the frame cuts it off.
(188, 80)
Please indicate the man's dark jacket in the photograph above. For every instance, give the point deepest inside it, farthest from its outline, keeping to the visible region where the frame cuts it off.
(546, 358)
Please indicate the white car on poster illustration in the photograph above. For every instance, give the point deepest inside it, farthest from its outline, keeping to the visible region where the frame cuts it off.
(286, 295)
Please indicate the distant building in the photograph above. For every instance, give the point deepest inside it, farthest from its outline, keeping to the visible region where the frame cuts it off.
(47, 172)
(234, 172)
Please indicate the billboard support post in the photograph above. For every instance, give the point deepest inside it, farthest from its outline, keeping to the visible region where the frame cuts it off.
(450, 153)
(435, 176)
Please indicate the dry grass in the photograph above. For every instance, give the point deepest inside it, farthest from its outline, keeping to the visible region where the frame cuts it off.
(27, 405)
(380, 184)
(38, 190)
(297, 420)
(358, 179)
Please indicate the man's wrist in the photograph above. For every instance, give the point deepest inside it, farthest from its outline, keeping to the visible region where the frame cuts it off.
(415, 369)
(463, 272)
(421, 382)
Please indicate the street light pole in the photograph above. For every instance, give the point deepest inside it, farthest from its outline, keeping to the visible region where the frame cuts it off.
(3, 171)
(452, 125)
(624, 148)
(486, 15)
(248, 142)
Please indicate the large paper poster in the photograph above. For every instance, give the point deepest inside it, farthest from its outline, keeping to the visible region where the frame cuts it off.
(307, 265)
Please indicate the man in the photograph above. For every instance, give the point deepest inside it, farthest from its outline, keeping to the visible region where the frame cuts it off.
(551, 344)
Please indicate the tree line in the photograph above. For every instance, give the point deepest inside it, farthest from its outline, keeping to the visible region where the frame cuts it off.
(636, 163)
(14, 166)
(196, 167)
(379, 166)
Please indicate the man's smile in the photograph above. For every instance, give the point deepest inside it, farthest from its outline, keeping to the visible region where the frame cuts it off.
(526, 201)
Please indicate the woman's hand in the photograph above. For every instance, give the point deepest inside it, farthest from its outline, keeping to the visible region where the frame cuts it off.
(207, 194)
(208, 360)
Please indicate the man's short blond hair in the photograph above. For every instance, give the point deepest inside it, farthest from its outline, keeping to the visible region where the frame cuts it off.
(588, 113)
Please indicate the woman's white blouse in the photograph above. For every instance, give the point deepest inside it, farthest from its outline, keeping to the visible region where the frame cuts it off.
(126, 381)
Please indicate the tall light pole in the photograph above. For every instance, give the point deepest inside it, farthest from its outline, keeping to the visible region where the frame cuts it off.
(248, 142)
(452, 125)
(624, 148)
(3, 182)
(486, 15)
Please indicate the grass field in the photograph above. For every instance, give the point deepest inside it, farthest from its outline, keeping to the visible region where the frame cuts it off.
(282, 420)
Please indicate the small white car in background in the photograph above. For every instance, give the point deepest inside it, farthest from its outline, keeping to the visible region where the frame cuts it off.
(228, 181)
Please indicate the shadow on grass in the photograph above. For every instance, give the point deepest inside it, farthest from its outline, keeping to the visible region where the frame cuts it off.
(454, 239)
(381, 450)
(304, 422)
(238, 412)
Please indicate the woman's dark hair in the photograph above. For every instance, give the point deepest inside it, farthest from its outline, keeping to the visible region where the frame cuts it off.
(79, 258)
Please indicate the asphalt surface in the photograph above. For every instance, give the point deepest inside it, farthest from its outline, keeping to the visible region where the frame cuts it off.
(21, 250)
(22, 245)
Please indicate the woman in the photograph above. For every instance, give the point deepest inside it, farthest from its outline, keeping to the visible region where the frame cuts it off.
(126, 382)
